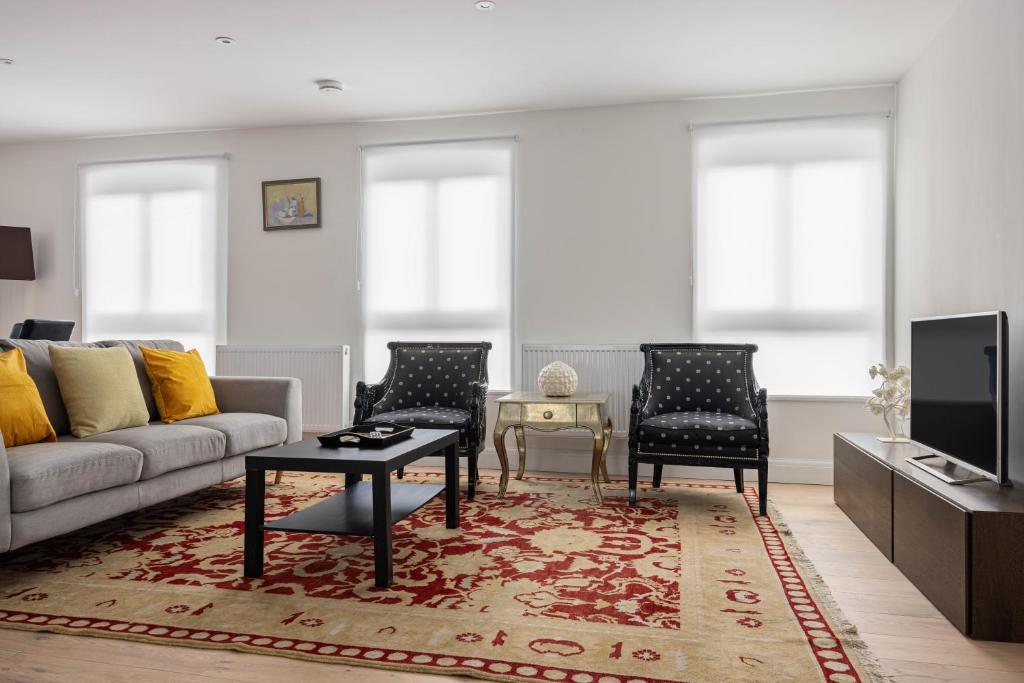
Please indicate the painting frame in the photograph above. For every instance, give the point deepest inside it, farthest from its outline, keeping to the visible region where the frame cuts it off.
(272, 220)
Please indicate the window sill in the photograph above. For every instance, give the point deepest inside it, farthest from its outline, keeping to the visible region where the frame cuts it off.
(796, 398)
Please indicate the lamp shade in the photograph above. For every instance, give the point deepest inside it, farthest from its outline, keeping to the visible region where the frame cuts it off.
(16, 254)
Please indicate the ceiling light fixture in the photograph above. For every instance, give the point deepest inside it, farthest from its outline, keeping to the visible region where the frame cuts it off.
(329, 87)
(485, 5)
(224, 40)
(6, 61)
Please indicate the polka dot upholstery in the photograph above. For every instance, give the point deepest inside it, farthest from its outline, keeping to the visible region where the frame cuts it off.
(428, 417)
(433, 377)
(690, 380)
(699, 432)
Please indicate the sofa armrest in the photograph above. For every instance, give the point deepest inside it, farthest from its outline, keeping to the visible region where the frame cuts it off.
(278, 396)
(5, 500)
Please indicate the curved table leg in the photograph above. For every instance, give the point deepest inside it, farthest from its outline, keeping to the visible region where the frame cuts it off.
(591, 420)
(521, 446)
(500, 427)
(604, 456)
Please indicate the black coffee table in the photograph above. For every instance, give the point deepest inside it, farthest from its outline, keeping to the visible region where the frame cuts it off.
(363, 508)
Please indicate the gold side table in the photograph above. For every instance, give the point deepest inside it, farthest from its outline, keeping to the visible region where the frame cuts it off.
(523, 409)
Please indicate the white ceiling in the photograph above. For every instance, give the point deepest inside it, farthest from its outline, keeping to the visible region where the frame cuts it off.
(100, 67)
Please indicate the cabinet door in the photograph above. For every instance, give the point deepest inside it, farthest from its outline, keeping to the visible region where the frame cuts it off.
(930, 547)
(863, 490)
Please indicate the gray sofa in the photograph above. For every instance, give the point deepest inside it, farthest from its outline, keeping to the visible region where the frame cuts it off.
(48, 489)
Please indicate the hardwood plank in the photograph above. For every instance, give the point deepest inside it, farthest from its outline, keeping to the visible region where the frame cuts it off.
(920, 672)
(966, 652)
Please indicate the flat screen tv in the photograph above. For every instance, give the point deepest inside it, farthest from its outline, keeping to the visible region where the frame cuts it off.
(958, 395)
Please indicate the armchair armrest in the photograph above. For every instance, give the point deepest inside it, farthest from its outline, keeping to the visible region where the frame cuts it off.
(636, 407)
(366, 396)
(5, 500)
(477, 412)
(761, 406)
(278, 396)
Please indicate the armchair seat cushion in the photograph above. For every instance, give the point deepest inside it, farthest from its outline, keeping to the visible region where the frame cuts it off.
(425, 417)
(699, 433)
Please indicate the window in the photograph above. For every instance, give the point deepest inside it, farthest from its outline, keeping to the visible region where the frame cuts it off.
(790, 248)
(152, 251)
(437, 249)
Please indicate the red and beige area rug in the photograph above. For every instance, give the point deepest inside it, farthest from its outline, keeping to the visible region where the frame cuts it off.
(542, 585)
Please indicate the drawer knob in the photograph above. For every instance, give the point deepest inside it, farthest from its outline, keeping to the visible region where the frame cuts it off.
(548, 414)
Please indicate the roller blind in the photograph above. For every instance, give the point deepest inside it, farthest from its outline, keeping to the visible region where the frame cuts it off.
(152, 240)
(437, 249)
(790, 248)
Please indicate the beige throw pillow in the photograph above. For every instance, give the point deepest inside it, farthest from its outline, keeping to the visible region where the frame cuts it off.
(100, 389)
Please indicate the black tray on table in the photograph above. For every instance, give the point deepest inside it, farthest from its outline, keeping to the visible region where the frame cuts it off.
(362, 436)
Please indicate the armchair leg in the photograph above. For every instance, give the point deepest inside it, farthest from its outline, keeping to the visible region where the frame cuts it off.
(401, 473)
(473, 475)
(633, 467)
(762, 486)
(738, 474)
(657, 476)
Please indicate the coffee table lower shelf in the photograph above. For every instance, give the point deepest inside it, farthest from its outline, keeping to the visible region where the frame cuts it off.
(350, 512)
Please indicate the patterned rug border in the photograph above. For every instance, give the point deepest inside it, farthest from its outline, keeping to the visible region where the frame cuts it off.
(853, 646)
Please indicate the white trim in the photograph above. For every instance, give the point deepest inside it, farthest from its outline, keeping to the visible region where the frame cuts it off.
(786, 119)
(437, 141)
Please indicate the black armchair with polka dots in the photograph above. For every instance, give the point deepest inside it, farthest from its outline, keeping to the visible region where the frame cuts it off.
(699, 404)
(433, 385)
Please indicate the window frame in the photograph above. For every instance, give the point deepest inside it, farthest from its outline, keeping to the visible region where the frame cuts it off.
(220, 277)
(361, 268)
(888, 237)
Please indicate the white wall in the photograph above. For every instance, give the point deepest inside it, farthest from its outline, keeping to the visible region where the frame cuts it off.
(604, 231)
(960, 183)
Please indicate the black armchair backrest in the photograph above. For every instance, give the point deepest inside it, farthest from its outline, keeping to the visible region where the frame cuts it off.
(432, 374)
(706, 377)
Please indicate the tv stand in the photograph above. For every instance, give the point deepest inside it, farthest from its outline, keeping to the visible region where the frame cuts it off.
(947, 467)
(962, 546)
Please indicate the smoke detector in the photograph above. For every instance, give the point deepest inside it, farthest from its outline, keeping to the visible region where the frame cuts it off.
(224, 40)
(329, 87)
(6, 61)
(485, 5)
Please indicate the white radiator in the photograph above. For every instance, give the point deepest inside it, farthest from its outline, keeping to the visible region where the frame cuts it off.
(323, 370)
(614, 368)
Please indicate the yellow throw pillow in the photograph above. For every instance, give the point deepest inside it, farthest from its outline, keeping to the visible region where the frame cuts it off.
(23, 419)
(181, 387)
(100, 389)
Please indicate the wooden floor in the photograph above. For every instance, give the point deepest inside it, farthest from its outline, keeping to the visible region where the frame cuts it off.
(913, 641)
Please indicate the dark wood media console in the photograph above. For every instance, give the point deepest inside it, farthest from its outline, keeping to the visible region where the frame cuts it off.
(962, 546)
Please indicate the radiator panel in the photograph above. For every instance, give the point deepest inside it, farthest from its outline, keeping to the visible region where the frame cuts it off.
(323, 371)
(614, 368)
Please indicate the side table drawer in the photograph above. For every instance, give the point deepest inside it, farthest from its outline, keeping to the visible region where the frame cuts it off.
(549, 415)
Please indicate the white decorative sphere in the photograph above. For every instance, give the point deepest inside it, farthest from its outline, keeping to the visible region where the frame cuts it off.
(557, 379)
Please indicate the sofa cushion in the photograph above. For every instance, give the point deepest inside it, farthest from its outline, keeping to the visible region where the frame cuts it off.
(47, 473)
(133, 347)
(23, 418)
(245, 432)
(40, 369)
(168, 447)
(100, 389)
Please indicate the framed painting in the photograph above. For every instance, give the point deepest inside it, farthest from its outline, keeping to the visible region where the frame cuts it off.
(291, 204)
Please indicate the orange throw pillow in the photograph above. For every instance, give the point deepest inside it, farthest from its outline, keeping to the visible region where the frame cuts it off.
(181, 387)
(23, 419)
